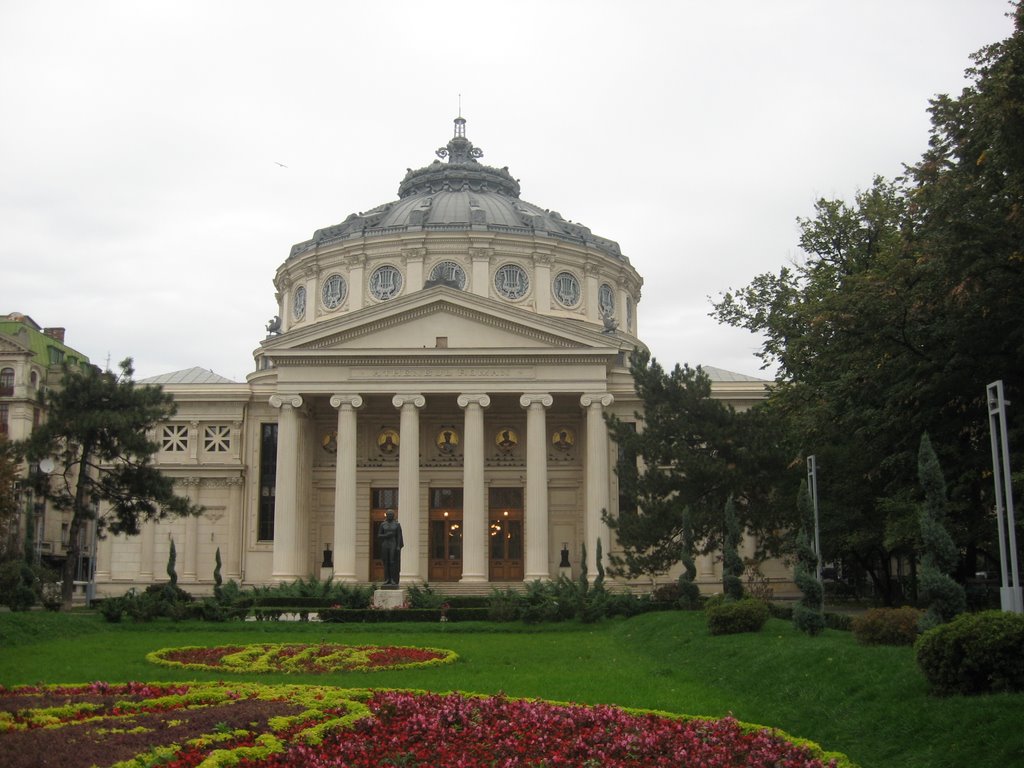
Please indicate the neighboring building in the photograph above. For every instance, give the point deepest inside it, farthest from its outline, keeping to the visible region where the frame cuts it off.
(451, 355)
(32, 360)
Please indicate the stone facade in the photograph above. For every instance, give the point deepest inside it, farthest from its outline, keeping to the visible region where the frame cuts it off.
(451, 355)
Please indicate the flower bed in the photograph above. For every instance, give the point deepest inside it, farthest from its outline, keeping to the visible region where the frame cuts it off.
(245, 724)
(316, 658)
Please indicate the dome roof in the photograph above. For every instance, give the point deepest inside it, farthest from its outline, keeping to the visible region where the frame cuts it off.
(460, 195)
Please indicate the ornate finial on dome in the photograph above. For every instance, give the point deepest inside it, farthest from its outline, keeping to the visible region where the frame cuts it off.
(460, 149)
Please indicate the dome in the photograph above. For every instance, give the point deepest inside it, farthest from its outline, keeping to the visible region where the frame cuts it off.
(461, 194)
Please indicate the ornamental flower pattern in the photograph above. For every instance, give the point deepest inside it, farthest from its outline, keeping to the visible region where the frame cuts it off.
(183, 725)
(305, 658)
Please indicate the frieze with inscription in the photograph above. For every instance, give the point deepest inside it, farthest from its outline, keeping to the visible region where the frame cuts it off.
(368, 373)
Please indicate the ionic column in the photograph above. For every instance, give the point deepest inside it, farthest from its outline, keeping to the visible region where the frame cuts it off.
(409, 483)
(287, 547)
(474, 501)
(536, 522)
(345, 498)
(597, 478)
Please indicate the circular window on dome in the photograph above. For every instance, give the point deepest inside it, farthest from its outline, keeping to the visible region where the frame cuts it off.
(334, 291)
(567, 289)
(450, 273)
(606, 300)
(511, 281)
(299, 303)
(385, 283)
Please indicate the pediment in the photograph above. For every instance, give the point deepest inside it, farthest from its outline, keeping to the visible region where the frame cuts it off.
(443, 318)
(11, 346)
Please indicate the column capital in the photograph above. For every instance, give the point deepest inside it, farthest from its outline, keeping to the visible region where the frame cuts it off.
(482, 400)
(279, 401)
(402, 399)
(352, 401)
(536, 398)
(601, 398)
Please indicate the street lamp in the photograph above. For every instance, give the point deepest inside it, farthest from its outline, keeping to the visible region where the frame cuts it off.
(812, 487)
(1010, 596)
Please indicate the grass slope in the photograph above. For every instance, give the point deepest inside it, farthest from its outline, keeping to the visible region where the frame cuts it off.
(870, 703)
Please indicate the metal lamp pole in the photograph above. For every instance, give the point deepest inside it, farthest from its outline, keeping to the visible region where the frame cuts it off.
(1010, 596)
(812, 487)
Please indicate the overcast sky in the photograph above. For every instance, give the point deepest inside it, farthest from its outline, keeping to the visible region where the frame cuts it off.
(142, 206)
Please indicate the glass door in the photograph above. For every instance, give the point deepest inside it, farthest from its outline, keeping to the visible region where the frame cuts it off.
(445, 535)
(505, 534)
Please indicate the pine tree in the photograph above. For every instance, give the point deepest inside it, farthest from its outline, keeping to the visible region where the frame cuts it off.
(96, 431)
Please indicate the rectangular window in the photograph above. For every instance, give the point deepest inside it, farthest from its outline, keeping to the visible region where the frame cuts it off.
(56, 356)
(174, 438)
(4, 415)
(268, 482)
(505, 498)
(217, 439)
(384, 498)
(7, 382)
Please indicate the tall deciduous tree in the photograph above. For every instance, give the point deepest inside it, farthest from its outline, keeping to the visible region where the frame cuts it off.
(96, 431)
(908, 303)
(682, 458)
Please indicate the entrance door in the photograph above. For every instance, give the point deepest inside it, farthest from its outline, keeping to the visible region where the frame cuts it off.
(505, 534)
(381, 500)
(445, 563)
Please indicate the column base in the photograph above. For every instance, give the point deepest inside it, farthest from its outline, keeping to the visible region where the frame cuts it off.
(473, 578)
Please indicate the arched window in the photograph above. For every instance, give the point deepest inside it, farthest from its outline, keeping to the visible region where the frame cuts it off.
(7, 381)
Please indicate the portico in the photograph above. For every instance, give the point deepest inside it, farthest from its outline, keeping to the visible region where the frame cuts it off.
(471, 475)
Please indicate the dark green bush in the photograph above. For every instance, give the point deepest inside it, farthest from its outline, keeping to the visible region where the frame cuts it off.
(734, 616)
(974, 653)
(887, 626)
(838, 621)
(807, 619)
(112, 609)
(424, 597)
(503, 605)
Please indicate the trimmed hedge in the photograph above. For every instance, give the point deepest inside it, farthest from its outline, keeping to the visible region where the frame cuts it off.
(887, 626)
(370, 615)
(974, 653)
(735, 616)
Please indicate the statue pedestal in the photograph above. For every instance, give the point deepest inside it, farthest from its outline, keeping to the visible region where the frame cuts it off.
(388, 599)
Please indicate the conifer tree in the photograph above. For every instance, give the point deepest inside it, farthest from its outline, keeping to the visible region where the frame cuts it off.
(807, 614)
(96, 430)
(942, 595)
(732, 564)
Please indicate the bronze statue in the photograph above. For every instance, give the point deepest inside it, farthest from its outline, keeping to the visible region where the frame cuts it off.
(389, 534)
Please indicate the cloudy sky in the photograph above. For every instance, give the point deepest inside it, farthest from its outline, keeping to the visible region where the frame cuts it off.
(142, 206)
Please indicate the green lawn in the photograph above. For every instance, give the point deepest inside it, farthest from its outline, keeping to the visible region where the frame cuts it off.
(870, 703)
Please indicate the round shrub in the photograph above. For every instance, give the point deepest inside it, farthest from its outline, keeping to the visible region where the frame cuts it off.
(811, 621)
(887, 626)
(974, 653)
(734, 616)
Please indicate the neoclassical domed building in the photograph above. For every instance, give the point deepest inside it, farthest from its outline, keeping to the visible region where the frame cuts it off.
(450, 355)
